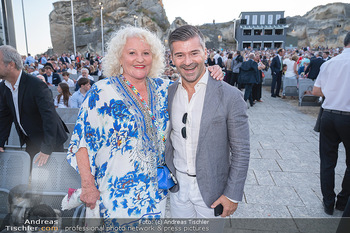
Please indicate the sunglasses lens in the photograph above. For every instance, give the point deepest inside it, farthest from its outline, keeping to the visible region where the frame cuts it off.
(184, 118)
(183, 132)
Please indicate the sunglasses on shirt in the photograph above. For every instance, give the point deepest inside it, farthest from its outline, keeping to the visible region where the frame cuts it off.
(183, 130)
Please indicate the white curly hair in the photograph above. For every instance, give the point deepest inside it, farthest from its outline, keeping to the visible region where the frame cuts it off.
(111, 62)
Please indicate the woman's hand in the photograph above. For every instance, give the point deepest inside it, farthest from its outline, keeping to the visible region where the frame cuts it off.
(89, 196)
(216, 72)
(89, 193)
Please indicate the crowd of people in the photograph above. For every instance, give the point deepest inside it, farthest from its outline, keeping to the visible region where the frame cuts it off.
(291, 65)
(59, 70)
(65, 62)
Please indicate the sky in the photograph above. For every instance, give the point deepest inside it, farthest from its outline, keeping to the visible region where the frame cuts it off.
(195, 12)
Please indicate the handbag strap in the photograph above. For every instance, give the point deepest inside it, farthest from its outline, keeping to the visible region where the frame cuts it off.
(144, 103)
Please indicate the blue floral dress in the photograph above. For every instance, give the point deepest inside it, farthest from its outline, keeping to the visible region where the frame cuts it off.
(124, 146)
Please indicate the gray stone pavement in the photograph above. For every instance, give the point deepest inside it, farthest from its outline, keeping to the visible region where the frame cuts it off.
(283, 176)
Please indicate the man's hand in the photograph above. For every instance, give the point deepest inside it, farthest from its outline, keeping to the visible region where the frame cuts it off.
(2, 149)
(42, 159)
(216, 72)
(317, 91)
(229, 206)
(89, 196)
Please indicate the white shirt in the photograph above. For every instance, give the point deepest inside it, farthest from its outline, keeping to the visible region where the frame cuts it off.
(72, 71)
(185, 149)
(216, 57)
(70, 82)
(224, 59)
(89, 77)
(14, 91)
(334, 81)
(281, 60)
(35, 73)
(49, 79)
(290, 68)
(61, 103)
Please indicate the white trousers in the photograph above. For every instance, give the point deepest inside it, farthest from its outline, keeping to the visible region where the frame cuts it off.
(188, 201)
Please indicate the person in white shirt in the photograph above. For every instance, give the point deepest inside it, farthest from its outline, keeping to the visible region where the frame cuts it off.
(216, 56)
(333, 82)
(71, 69)
(42, 78)
(66, 79)
(99, 70)
(291, 74)
(32, 71)
(72, 57)
(85, 74)
(62, 99)
(224, 57)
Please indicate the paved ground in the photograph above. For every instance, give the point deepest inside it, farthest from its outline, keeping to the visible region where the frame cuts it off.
(283, 177)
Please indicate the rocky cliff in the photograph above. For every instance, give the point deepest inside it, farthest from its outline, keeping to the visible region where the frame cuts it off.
(324, 25)
(87, 17)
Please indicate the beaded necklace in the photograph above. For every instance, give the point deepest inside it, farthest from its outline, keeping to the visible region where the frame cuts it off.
(133, 88)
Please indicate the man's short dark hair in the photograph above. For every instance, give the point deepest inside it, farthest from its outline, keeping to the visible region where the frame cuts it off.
(347, 39)
(280, 50)
(83, 81)
(185, 33)
(65, 73)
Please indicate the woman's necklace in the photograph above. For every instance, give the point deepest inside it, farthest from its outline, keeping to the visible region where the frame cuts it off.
(145, 105)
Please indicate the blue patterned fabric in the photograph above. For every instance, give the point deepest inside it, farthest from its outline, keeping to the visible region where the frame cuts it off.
(124, 146)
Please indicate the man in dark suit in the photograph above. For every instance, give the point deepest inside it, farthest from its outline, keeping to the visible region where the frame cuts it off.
(326, 56)
(51, 78)
(221, 61)
(27, 101)
(64, 59)
(314, 67)
(208, 144)
(276, 70)
(248, 76)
